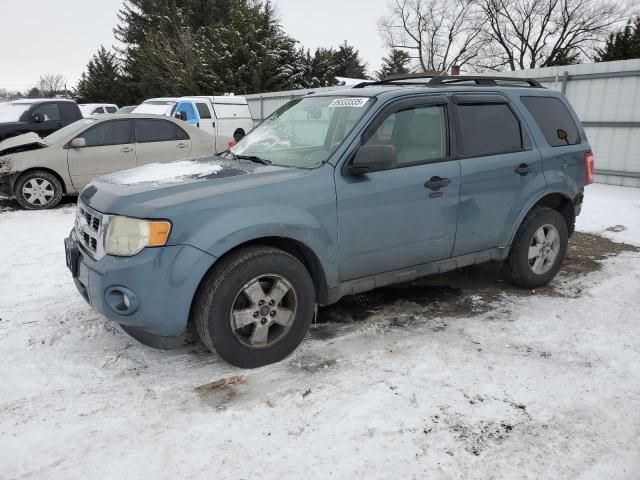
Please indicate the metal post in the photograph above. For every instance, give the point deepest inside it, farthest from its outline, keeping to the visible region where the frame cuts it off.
(565, 79)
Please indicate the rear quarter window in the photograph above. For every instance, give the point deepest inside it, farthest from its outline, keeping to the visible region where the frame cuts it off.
(554, 119)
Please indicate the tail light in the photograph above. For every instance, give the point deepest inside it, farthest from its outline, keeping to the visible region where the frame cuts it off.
(589, 167)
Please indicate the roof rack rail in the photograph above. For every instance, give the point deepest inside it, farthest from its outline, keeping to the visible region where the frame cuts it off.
(439, 80)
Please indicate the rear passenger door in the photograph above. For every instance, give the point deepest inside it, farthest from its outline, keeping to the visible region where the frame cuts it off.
(501, 171)
(160, 141)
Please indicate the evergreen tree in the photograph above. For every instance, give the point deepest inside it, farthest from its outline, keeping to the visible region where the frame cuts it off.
(102, 80)
(349, 64)
(320, 68)
(622, 45)
(396, 63)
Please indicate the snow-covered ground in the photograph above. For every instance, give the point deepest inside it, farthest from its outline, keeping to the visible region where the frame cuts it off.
(514, 385)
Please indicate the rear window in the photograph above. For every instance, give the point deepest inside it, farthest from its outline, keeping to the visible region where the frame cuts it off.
(554, 119)
(489, 129)
(157, 131)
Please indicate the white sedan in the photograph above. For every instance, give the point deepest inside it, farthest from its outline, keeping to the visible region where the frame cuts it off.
(39, 171)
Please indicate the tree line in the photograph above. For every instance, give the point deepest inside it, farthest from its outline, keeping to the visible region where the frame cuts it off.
(197, 47)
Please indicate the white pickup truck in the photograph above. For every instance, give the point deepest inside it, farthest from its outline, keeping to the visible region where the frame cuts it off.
(227, 118)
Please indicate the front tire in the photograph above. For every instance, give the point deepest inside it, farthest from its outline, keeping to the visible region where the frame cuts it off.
(255, 306)
(38, 190)
(538, 249)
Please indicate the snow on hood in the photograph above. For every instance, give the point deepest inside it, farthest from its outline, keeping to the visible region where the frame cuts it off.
(21, 140)
(164, 173)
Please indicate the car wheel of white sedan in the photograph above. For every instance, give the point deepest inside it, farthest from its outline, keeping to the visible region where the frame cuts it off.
(38, 190)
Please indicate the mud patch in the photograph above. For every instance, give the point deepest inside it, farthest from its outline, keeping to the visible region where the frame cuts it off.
(312, 363)
(469, 291)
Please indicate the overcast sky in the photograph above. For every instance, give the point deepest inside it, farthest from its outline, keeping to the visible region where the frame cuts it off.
(60, 36)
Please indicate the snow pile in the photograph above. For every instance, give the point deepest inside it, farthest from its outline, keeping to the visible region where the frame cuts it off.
(162, 173)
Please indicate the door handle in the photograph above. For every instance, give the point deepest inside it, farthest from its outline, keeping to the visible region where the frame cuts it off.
(182, 145)
(214, 124)
(126, 149)
(436, 183)
(524, 169)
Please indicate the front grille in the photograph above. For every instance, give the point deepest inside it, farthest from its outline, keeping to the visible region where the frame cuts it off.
(89, 230)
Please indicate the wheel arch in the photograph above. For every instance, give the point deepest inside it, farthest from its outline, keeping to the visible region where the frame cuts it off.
(293, 247)
(39, 169)
(557, 201)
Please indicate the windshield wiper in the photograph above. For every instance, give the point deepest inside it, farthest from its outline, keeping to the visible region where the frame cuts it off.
(253, 158)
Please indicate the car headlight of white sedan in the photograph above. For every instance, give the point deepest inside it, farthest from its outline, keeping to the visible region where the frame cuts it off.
(128, 236)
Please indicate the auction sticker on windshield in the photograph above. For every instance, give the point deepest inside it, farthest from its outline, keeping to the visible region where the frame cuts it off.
(356, 102)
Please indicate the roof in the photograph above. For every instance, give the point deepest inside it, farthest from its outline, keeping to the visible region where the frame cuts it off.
(37, 100)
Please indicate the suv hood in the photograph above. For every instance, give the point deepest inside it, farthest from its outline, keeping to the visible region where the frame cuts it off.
(162, 189)
(21, 143)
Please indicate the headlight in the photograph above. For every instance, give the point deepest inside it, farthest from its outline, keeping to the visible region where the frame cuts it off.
(128, 236)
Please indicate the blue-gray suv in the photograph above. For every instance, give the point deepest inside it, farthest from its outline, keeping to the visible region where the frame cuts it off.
(334, 194)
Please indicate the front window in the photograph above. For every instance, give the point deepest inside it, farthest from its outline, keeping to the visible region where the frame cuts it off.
(68, 131)
(11, 112)
(304, 133)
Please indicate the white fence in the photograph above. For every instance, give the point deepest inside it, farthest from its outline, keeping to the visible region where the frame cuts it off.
(605, 95)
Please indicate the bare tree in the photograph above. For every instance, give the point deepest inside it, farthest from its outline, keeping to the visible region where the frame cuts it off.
(539, 33)
(437, 33)
(50, 84)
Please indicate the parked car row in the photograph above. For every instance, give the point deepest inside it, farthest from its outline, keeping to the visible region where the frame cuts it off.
(54, 147)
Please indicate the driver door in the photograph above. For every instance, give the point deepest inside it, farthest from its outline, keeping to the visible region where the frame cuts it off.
(108, 148)
(399, 217)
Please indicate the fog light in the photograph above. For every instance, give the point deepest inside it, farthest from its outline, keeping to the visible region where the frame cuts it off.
(121, 300)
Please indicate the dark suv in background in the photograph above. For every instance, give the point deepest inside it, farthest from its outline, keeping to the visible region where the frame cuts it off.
(42, 116)
(334, 194)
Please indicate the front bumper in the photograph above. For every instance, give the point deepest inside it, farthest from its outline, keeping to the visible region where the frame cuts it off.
(6, 185)
(160, 284)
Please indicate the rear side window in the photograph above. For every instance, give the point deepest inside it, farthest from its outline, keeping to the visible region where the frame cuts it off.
(203, 110)
(117, 132)
(157, 131)
(230, 110)
(489, 129)
(111, 109)
(554, 119)
(48, 111)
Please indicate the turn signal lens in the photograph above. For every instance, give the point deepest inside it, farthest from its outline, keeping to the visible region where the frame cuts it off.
(158, 233)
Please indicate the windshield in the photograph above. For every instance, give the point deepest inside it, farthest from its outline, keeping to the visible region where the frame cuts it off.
(11, 112)
(69, 130)
(157, 107)
(304, 133)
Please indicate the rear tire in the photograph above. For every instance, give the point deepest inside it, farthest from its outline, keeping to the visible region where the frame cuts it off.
(255, 306)
(38, 190)
(538, 249)
(238, 134)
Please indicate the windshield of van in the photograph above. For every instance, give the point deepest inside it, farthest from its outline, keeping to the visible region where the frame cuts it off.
(156, 107)
(304, 133)
(69, 130)
(11, 112)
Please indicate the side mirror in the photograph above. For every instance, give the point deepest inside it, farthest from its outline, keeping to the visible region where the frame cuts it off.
(373, 158)
(78, 142)
(37, 118)
(182, 115)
